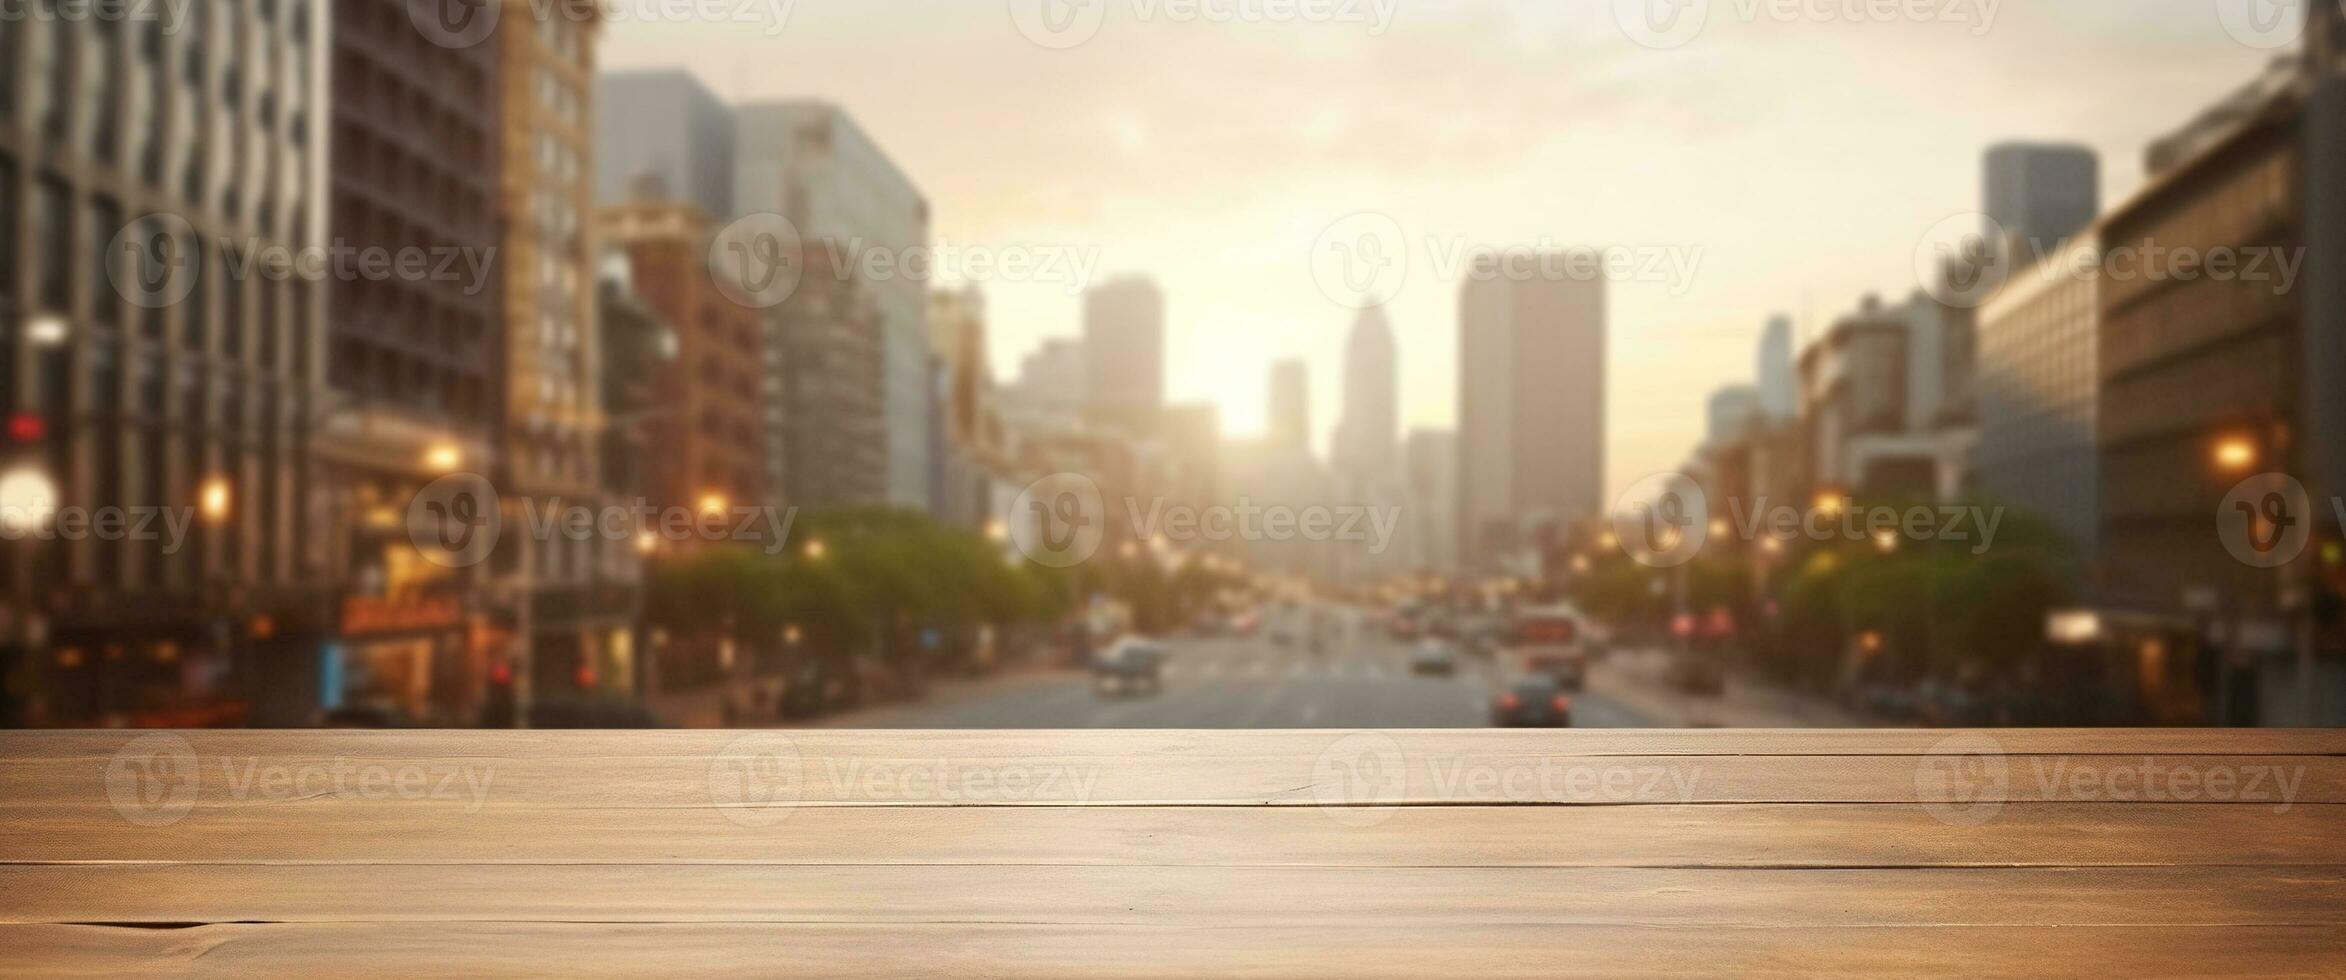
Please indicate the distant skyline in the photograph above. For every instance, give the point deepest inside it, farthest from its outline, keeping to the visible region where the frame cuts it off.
(1791, 168)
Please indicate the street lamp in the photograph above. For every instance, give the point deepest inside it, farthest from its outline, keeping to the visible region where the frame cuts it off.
(28, 500)
(2235, 454)
(213, 500)
(443, 458)
(815, 550)
(47, 330)
(713, 503)
(1887, 541)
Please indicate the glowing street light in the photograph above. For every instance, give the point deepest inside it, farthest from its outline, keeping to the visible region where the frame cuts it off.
(2235, 454)
(1887, 541)
(28, 500)
(816, 550)
(443, 458)
(714, 503)
(213, 500)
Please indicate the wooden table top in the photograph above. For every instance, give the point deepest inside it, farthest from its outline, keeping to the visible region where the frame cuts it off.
(1174, 854)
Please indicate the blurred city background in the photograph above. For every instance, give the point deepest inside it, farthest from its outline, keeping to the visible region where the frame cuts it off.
(569, 363)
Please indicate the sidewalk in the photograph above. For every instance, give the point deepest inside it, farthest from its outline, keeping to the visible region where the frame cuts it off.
(1636, 679)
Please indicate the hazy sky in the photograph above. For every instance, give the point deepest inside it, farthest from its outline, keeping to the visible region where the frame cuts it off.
(1791, 165)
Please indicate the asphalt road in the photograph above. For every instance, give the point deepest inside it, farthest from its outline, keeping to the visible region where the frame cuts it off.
(1362, 681)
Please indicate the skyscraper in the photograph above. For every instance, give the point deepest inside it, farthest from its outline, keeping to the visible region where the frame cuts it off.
(1777, 377)
(1366, 434)
(1124, 348)
(1531, 391)
(1733, 410)
(147, 367)
(663, 123)
(416, 360)
(580, 592)
(707, 447)
(809, 162)
(1430, 476)
(2039, 194)
(1290, 406)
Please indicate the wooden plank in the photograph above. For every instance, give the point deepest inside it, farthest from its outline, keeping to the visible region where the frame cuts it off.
(1173, 896)
(782, 769)
(1106, 744)
(1823, 835)
(1090, 951)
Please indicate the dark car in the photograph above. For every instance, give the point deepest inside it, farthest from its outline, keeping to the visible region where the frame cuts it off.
(1532, 702)
(1129, 668)
(1568, 666)
(1433, 659)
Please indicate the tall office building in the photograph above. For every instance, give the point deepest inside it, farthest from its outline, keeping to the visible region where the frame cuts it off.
(969, 429)
(2203, 388)
(1777, 376)
(143, 365)
(834, 436)
(2039, 393)
(707, 440)
(1734, 412)
(1051, 378)
(1531, 393)
(1124, 349)
(418, 360)
(1289, 426)
(1367, 433)
(573, 598)
(665, 124)
(809, 162)
(1429, 460)
(2039, 194)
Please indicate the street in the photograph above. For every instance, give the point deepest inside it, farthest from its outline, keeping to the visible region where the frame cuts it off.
(1363, 681)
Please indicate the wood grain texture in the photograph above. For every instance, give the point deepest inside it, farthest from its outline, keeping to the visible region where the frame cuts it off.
(1174, 854)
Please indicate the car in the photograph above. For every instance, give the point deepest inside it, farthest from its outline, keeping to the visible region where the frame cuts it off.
(1130, 667)
(1696, 673)
(1533, 701)
(1567, 666)
(1433, 660)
